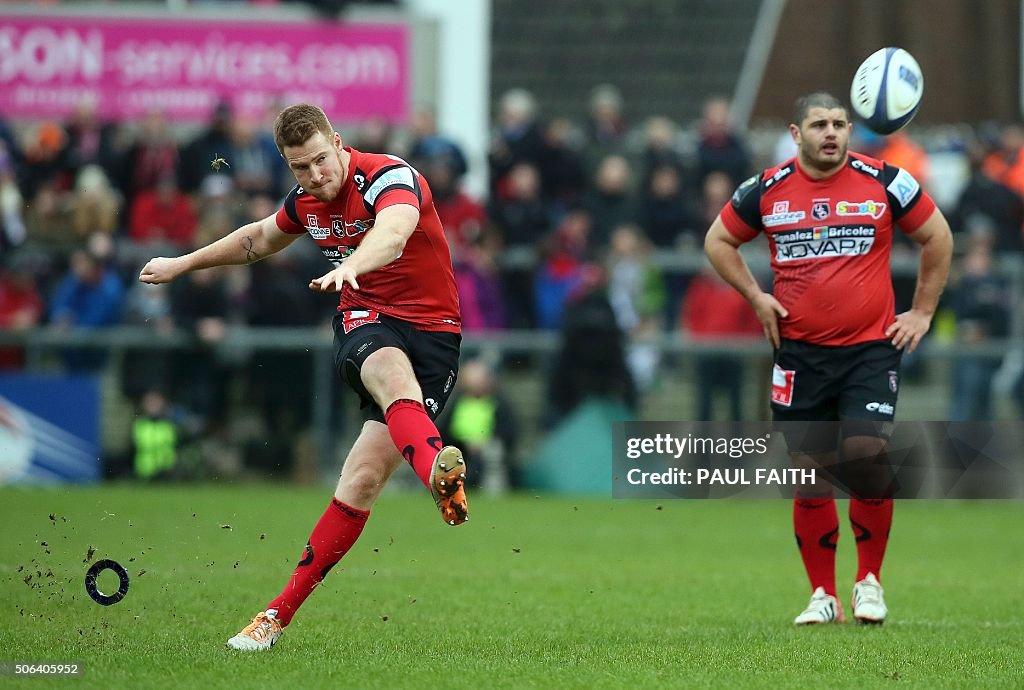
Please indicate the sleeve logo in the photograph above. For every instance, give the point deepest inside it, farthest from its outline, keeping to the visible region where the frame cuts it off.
(904, 187)
(396, 176)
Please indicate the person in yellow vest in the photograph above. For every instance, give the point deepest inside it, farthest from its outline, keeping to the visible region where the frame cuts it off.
(484, 423)
(155, 438)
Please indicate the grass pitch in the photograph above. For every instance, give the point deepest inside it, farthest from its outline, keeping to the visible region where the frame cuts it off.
(532, 593)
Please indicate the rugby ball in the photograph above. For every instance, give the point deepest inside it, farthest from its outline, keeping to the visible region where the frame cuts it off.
(886, 90)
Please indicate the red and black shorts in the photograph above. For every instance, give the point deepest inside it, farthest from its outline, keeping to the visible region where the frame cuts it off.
(434, 356)
(851, 389)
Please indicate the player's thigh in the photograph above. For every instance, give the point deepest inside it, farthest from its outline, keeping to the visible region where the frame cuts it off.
(435, 359)
(804, 399)
(355, 339)
(870, 390)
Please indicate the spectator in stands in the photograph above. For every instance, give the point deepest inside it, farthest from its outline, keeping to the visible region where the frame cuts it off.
(611, 201)
(201, 305)
(711, 311)
(478, 278)
(152, 157)
(21, 304)
(591, 361)
(147, 369)
(715, 191)
(374, 136)
(520, 214)
(562, 174)
(12, 224)
(605, 126)
(90, 141)
(255, 163)
(90, 296)
(484, 425)
(636, 290)
(278, 296)
(428, 145)
(721, 148)
(462, 216)
(563, 268)
(200, 157)
(900, 150)
(95, 204)
(1006, 164)
(987, 201)
(163, 216)
(661, 148)
(517, 139)
(980, 300)
(45, 165)
(664, 212)
(154, 438)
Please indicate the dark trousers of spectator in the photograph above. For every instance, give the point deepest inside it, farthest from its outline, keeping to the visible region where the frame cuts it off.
(719, 373)
(972, 388)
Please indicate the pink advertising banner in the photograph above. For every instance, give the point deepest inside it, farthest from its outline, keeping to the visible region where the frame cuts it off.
(183, 68)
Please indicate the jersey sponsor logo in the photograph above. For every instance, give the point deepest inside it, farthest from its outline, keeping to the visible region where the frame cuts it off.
(360, 179)
(395, 176)
(782, 385)
(823, 242)
(314, 229)
(787, 218)
(741, 191)
(779, 174)
(355, 318)
(904, 187)
(880, 408)
(340, 229)
(337, 254)
(864, 167)
(432, 404)
(875, 209)
(820, 209)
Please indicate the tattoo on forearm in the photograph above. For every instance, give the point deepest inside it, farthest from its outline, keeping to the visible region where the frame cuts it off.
(250, 254)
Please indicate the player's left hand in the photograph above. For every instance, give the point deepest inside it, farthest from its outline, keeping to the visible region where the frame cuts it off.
(908, 329)
(335, 280)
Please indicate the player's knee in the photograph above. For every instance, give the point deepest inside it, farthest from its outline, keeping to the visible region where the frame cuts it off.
(362, 483)
(863, 447)
(388, 376)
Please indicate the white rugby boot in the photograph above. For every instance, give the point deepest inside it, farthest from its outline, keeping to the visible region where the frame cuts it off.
(823, 608)
(868, 603)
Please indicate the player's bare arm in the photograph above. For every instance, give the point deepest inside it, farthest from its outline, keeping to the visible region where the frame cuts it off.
(936, 242)
(383, 244)
(246, 245)
(722, 248)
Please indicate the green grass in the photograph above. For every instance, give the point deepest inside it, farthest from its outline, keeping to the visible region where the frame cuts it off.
(534, 592)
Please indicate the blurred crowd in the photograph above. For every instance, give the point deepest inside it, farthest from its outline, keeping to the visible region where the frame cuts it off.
(577, 223)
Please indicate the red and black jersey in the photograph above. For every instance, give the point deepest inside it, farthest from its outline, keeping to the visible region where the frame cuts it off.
(830, 241)
(418, 286)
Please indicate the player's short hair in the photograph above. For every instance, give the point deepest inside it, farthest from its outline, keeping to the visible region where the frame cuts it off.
(297, 123)
(818, 99)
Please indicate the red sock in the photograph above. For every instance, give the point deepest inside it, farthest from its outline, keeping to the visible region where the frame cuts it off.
(333, 536)
(415, 435)
(816, 523)
(871, 520)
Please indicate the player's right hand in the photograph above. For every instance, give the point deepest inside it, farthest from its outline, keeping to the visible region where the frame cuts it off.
(161, 270)
(768, 311)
